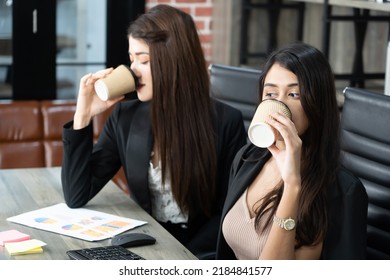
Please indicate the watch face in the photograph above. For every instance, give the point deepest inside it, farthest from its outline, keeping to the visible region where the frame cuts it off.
(289, 224)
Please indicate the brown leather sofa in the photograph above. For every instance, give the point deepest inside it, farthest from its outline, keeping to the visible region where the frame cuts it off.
(31, 133)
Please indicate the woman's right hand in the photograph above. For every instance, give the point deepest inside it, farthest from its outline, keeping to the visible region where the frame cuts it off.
(88, 102)
(287, 151)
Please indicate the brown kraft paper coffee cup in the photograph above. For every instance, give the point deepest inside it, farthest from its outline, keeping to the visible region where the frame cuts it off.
(260, 133)
(120, 81)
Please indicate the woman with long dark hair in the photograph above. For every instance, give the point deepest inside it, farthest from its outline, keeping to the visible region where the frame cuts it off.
(281, 199)
(175, 143)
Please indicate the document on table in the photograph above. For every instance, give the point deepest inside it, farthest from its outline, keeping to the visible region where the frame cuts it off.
(81, 223)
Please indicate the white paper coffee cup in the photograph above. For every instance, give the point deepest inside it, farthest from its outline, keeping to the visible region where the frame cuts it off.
(120, 81)
(260, 133)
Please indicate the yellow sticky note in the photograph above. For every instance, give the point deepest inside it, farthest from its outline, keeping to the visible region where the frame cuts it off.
(32, 246)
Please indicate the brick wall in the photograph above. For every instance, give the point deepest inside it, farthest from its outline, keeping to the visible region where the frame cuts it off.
(201, 11)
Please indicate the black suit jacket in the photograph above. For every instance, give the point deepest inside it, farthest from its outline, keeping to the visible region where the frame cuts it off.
(126, 140)
(347, 210)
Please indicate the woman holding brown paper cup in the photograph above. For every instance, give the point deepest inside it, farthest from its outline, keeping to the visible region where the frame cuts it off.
(120, 81)
(174, 142)
(284, 199)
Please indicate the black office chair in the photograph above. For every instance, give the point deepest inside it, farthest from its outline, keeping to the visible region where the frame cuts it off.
(365, 132)
(237, 87)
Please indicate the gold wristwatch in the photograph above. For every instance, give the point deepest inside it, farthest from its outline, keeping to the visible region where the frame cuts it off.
(287, 224)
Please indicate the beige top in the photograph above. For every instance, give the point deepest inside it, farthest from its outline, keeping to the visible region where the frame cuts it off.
(239, 231)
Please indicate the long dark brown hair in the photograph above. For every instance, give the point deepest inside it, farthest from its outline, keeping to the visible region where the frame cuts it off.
(320, 142)
(181, 106)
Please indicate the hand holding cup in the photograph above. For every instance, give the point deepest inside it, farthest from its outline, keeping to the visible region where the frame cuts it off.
(120, 81)
(260, 133)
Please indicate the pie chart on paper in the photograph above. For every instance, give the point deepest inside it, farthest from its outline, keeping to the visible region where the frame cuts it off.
(71, 227)
(44, 220)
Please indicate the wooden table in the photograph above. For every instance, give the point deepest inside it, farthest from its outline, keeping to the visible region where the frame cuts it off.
(23, 190)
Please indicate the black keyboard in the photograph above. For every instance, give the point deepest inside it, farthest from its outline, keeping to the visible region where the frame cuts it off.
(103, 253)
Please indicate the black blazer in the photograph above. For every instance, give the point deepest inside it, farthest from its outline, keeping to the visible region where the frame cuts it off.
(126, 140)
(347, 210)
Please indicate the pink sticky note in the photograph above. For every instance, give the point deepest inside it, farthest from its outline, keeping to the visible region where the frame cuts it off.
(12, 236)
